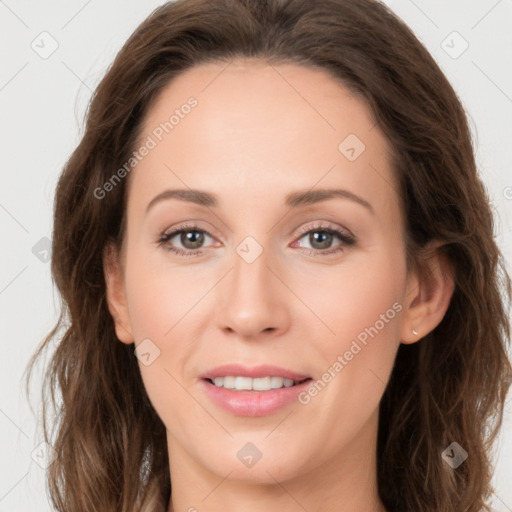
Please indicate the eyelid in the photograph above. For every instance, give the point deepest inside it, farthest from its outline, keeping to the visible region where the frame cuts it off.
(344, 234)
(190, 225)
(328, 225)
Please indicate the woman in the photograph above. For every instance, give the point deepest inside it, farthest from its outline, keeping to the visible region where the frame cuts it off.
(280, 283)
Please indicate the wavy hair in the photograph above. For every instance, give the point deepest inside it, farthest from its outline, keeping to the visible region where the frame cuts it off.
(449, 386)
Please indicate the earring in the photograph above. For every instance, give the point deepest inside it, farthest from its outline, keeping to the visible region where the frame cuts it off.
(415, 332)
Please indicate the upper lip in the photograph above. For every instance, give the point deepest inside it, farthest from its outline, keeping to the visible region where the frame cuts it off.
(254, 372)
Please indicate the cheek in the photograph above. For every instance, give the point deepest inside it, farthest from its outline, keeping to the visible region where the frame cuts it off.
(164, 305)
(365, 318)
(160, 296)
(359, 295)
(368, 308)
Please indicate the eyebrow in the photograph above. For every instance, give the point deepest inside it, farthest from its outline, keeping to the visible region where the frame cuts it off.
(307, 197)
(294, 199)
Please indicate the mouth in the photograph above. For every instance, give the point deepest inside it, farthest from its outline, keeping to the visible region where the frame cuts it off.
(253, 391)
(256, 385)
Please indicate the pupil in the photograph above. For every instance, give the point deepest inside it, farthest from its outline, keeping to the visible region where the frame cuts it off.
(323, 237)
(189, 236)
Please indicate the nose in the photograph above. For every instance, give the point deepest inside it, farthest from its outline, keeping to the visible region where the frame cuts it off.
(253, 299)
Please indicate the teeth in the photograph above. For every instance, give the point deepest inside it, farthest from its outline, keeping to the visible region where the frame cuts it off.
(248, 384)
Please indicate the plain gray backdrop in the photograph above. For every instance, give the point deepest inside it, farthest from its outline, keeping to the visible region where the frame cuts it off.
(55, 53)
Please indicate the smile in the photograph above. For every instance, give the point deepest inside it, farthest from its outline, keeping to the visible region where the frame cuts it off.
(240, 383)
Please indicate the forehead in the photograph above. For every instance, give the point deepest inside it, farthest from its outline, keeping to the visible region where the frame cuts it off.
(255, 96)
(253, 122)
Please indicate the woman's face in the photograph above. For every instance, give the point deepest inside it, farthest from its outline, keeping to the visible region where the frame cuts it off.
(291, 255)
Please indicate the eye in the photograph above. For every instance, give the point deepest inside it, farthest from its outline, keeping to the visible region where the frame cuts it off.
(320, 239)
(190, 237)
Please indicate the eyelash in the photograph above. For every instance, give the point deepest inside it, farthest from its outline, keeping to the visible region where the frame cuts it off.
(346, 238)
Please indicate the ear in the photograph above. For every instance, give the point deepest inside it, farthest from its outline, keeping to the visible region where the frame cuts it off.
(429, 291)
(116, 297)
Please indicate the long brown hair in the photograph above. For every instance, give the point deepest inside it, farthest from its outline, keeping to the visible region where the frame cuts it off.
(450, 386)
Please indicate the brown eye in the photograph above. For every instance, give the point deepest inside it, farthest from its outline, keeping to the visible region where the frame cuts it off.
(185, 241)
(320, 240)
(192, 239)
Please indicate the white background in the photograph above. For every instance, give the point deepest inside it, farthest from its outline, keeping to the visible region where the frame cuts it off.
(42, 103)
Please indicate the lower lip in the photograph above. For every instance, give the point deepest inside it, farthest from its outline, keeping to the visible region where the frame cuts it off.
(253, 403)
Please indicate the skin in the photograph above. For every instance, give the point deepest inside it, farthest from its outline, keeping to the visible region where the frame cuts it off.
(258, 133)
